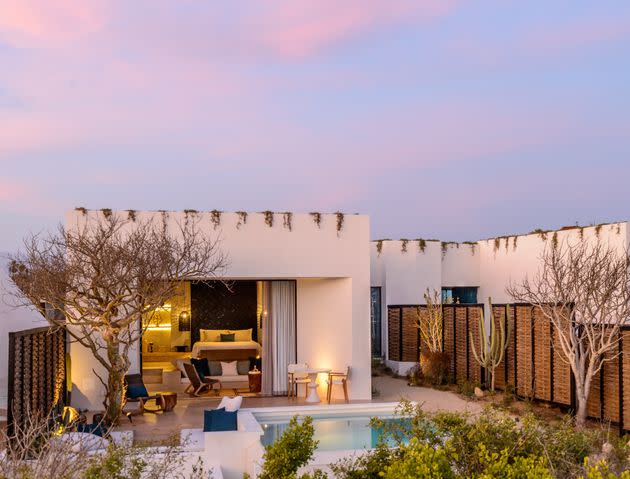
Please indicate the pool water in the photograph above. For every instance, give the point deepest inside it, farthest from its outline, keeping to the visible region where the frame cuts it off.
(335, 433)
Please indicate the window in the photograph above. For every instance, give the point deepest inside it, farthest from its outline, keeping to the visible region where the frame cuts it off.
(375, 316)
(460, 295)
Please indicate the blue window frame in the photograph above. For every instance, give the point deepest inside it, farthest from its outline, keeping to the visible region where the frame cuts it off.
(460, 295)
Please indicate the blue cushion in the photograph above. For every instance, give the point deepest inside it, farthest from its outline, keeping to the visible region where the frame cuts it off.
(91, 429)
(201, 365)
(135, 391)
(227, 338)
(219, 420)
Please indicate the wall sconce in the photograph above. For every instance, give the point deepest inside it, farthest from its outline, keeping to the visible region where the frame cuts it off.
(184, 321)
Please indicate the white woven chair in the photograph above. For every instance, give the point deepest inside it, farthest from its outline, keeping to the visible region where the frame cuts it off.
(338, 378)
(297, 375)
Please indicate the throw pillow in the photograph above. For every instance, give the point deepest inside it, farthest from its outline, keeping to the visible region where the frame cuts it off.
(242, 367)
(231, 404)
(135, 391)
(215, 368)
(91, 429)
(201, 365)
(229, 369)
(219, 420)
(227, 338)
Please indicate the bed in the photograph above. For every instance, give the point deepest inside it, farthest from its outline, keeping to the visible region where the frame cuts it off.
(223, 351)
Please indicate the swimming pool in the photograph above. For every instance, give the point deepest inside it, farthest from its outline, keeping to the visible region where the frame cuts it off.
(336, 428)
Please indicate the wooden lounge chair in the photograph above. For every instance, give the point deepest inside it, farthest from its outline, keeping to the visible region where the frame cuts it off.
(197, 385)
(340, 378)
(134, 381)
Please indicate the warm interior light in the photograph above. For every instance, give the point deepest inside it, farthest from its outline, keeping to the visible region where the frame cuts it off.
(160, 327)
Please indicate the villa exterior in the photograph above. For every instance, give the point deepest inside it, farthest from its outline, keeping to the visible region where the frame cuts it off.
(402, 270)
(324, 266)
(325, 258)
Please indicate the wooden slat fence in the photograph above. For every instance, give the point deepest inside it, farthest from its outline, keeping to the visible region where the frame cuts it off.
(533, 365)
(460, 320)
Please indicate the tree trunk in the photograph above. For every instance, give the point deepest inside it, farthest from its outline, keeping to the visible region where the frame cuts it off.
(114, 395)
(492, 380)
(581, 396)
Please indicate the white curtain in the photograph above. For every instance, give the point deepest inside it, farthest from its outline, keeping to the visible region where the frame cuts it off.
(267, 341)
(283, 335)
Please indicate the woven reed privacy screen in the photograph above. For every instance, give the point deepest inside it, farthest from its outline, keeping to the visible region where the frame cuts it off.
(532, 366)
(460, 320)
(37, 373)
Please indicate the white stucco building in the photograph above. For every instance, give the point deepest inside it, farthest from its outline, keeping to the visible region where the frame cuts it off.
(401, 271)
(328, 261)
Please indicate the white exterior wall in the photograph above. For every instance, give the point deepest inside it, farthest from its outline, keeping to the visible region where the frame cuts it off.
(333, 287)
(461, 265)
(12, 318)
(405, 275)
(505, 265)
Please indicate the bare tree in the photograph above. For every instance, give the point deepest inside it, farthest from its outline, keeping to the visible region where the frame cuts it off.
(105, 276)
(434, 361)
(583, 289)
(431, 322)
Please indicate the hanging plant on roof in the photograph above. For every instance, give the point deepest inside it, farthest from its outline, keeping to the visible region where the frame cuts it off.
(444, 248)
(242, 219)
(340, 219)
(287, 216)
(497, 244)
(317, 218)
(379, 247)
(403, 245)
(554, 240)
(581, 233)
(422, 244)
(268, 218)
(618, 228)
(472, 246)
(598, 230)
(81, 209)
(215, 217)
(107, 212)
(131, 215)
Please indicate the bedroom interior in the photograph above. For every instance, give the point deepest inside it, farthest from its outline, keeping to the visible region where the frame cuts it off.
(241, 333)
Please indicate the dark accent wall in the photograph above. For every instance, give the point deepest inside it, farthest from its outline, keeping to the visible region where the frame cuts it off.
(215, 306)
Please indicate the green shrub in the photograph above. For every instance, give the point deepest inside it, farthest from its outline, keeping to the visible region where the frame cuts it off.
(419, 460)
(601, 470)
(292, 450)
(466, 388)
(497, 465)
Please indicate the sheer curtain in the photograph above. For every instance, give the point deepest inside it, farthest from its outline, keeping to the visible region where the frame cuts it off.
(267, 341)
(283, 334)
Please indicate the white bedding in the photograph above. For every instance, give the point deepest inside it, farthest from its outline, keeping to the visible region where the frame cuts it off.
(214, 345)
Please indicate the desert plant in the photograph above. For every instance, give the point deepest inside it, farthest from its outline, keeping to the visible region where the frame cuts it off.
(583, 290)
(492, 346)
(289, 452)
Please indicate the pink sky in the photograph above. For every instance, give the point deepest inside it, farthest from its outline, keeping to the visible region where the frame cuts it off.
(317, 105)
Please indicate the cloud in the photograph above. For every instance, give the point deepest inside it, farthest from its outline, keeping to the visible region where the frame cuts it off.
(301, 28)
(49, 23)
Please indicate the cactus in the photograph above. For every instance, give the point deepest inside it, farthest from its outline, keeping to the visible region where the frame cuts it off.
(493, 346)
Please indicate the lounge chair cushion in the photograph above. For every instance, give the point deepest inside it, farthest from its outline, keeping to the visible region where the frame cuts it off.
(219, 420)
(231, 404)
(215, 368)
(202, 367)
(95, 429)
(135, 391)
